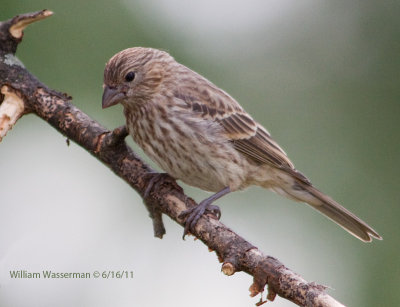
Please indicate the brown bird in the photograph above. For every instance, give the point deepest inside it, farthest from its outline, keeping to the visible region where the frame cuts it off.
(199, 134)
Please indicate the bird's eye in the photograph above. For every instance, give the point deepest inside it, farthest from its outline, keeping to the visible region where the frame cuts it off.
(130, 76)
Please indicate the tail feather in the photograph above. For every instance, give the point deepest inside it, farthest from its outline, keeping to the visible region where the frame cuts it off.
(342, 216)
(307, 193)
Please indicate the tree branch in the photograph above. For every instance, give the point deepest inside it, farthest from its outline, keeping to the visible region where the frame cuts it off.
(22, 93)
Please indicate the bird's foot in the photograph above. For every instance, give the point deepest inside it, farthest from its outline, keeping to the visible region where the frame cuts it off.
(194, 214)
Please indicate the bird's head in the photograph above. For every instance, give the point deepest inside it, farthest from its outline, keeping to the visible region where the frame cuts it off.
(134, 75)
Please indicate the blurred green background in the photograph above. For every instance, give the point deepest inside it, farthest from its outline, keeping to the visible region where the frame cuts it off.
(321, 76)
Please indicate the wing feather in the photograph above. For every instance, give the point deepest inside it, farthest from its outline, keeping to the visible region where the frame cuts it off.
(247, 136)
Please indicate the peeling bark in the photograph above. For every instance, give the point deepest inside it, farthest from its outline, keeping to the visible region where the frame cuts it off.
(11, 110)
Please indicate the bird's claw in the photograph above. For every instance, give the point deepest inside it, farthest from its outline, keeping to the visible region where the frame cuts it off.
(193, 215)
(214, 210)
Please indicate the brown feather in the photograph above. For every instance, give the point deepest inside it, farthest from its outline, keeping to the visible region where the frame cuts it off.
(248, 137)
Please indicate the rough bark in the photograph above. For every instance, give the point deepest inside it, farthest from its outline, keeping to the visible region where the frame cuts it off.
(22, 93)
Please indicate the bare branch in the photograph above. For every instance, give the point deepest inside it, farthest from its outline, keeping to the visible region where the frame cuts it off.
(23, 93)
(22, 21)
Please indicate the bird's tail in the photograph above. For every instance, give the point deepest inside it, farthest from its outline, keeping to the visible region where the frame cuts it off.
(305, 192)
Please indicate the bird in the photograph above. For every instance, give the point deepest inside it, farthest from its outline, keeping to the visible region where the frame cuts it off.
(199, 134)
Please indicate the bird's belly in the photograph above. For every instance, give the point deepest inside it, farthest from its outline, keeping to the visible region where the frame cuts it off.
(197, 165)
(209, 164)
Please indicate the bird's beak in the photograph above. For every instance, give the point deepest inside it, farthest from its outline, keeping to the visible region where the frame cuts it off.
(111, 96)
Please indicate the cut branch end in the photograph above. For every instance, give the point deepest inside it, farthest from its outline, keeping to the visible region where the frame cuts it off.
(228, 269)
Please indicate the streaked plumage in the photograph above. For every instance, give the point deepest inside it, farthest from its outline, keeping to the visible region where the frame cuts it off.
(199, 134)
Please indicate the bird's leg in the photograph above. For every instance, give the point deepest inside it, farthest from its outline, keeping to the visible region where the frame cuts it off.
(195, 213)
(155, 213)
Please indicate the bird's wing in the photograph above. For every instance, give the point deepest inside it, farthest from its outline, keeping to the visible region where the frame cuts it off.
(247, 136)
